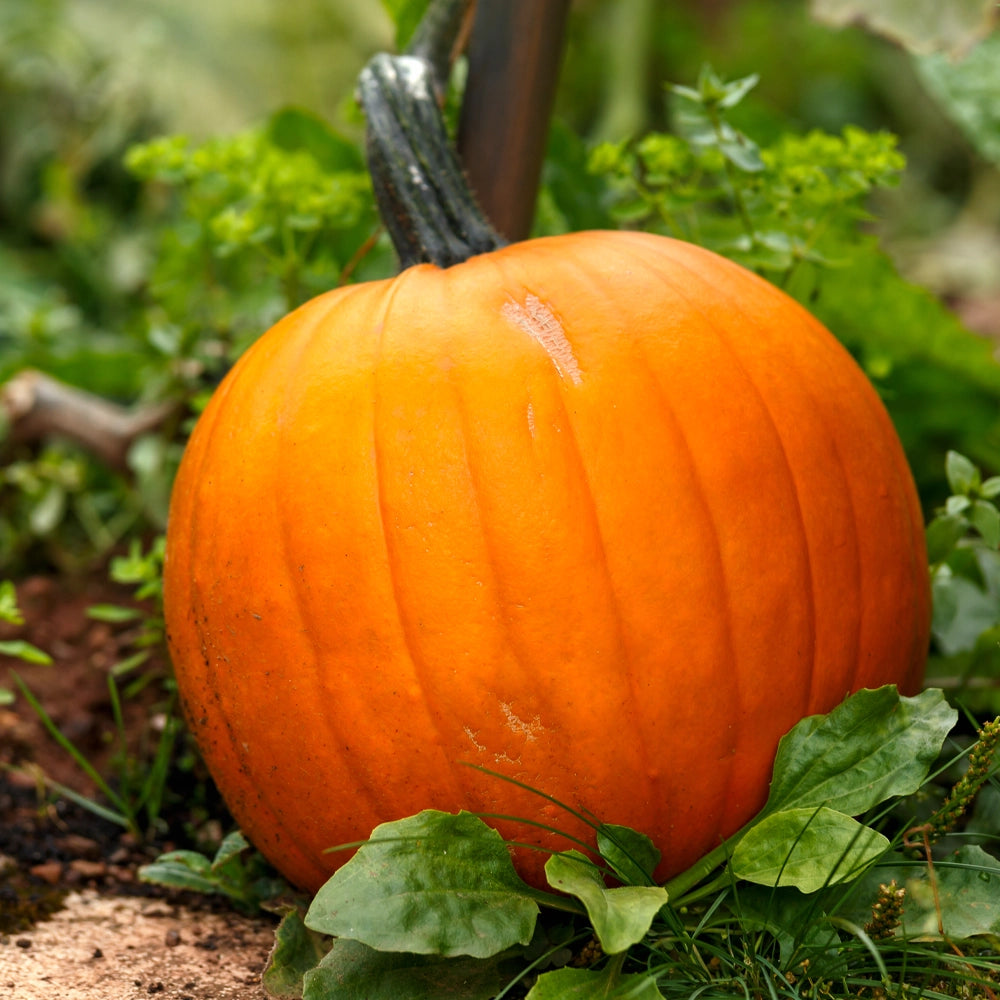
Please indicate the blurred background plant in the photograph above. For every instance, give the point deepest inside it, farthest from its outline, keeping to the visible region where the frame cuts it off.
(175, 176)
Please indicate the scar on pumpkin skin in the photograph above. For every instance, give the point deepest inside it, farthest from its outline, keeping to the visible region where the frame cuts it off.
(537, 320)
(529, 730)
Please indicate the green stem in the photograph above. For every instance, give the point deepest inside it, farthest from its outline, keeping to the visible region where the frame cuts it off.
(680, 886)
(422, 195)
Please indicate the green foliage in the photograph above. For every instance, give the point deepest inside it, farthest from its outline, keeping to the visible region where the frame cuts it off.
(406, 14)
(287, 204)
(772, 208)
(17, 649)
(434, 884)
(431, 902)
(963, 543)
(236, 871)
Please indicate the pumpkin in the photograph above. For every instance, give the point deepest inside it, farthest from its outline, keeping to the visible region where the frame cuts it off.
(603, 513)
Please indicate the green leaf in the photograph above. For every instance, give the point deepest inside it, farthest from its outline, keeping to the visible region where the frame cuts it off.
(985, 518)
(353, 971)
(9, 611)
(294, 129)
(581, 984)
(232, 846)
(632, 855)
(962, 612)
(406, 14)
(621, 917)
(296, 951)
(112, 613)
(943, 534)
(963, 476)
(434, 883)
(968, 892)
(873, 746)
(806, 848)
(181, 870)
(21, 650)
(7, 696)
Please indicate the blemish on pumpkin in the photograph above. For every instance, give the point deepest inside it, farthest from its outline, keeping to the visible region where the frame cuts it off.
(529, 730)
(531, 419)
(537, 320)
(472, 738)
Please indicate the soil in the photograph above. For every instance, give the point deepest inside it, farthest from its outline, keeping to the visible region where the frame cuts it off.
(76, 922)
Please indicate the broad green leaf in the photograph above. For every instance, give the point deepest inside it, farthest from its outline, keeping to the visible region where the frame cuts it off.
(967, 90)
(962, 475)
(919, 25)
(985, 519)
(432, 884)
(873, 746)
(21, 650)
(581, 984)
(296, 951)
(806, 848)
(968, 890)
(353, 971)
(968, 893)
(632, 855)
(962, 612)
(181, 870)
(621, 917)
(943, 534)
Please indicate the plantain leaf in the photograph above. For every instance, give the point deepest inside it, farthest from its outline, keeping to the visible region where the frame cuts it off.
(431, 884)
(632, 855)
(873, 746)
(297, 950)
(968, 892)
(620, 917)
(806, 848)
(581, 984)
(353, 971)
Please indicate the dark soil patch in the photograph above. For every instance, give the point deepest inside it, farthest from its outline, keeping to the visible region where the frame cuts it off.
(49, 844)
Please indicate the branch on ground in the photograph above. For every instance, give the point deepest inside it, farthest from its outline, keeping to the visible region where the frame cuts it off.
(38, 407)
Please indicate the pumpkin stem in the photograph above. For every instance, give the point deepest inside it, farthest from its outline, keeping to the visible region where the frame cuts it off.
(422, 194)
(439, 37)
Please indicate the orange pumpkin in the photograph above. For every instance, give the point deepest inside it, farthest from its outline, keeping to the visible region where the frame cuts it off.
(603, 512)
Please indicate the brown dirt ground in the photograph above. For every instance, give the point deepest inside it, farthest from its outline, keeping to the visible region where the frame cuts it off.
(110, 936)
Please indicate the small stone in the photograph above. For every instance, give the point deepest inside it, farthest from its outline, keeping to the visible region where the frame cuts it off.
(80, 847)
(80, 868)
(48, 871)
(23, 942)
(172, 938)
